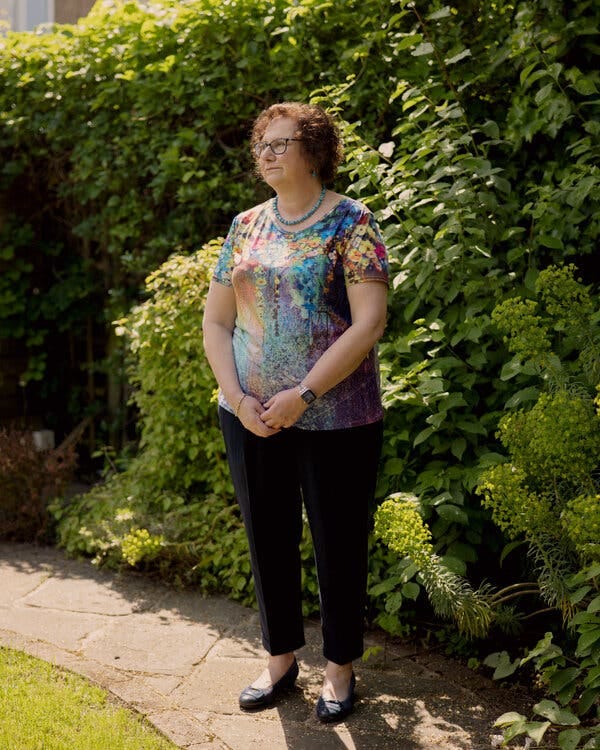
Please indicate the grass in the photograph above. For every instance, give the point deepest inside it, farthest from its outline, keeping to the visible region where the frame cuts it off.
(43, 707)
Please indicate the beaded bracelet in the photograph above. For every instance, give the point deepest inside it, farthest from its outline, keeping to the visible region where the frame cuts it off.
(237, 410)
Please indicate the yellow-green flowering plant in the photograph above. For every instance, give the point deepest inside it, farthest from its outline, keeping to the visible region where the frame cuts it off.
(547, 493)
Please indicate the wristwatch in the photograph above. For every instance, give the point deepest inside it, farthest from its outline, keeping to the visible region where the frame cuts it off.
(306, 394)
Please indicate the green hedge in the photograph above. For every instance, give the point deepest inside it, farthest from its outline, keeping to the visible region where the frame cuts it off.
(124, 139)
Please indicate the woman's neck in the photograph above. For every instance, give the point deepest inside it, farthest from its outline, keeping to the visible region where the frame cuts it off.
(295, 201)
(299, 219)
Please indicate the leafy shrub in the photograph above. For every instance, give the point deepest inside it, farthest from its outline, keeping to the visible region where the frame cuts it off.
(554, 445)
(177, 488)
(185, 538)
(476, 180)
(172, 510)
(547, 494)
(572, 678)
(580, 521)
(29, 479)
(173, 386)
(399, 524)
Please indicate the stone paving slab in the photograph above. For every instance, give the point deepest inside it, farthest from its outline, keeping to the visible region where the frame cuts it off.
(152, 644)
(181, 660)
(15, 584)
(82, 595)
(64, 629)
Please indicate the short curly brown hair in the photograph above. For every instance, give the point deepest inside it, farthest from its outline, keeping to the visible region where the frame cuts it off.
(319, 135)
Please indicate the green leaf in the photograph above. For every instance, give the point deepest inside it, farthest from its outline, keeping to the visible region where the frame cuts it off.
(429, 386)
(557, 715)
(371, 652)
(383, 587)
(588, 699)
(543, 650)
(503, 667)
(458, 447)
(588, 639)
(537, 729)
(585, 86)
(508, 718)
(462, 551)
(576, 596)
(423, 435)
(393, 602)
(511, 369)
(390, 623)
(568, 739)
(524, 396)
(501, 183)
(407, 41)
(491, 129)
(508, 548)
(453, 513)
(458, 57)
(526, 72)
(439, 14)
(594, 605)
(394, 466)
(592, 572)
(544, 93)
(563, 677)
(553, 242)
(592, 676)
(513, 730)
(454, 564)
(471, 426)
(581, 190)
(425, 48)
(491, 459)
(436, 420)
(411, 590)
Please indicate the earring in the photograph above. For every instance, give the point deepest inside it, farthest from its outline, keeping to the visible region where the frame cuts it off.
(313, 173)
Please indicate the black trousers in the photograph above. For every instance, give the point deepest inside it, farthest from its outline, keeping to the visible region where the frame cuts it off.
(334, 473)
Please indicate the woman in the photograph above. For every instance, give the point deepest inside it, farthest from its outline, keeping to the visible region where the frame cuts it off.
(295, 308)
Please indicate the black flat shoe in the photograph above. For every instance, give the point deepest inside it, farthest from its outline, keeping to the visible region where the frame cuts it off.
(253, 698)
(330, 711)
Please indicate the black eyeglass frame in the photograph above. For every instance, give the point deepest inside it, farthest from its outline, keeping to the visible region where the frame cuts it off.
(259, 147)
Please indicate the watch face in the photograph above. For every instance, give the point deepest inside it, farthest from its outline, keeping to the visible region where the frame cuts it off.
(308, 396)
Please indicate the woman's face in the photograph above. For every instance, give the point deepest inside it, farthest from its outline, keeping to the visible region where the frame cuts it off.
(289, 168)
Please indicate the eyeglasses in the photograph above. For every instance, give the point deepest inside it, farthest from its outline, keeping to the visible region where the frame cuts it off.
(278, 146)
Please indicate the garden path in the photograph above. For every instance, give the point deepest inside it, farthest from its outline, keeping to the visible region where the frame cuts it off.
(181, 659)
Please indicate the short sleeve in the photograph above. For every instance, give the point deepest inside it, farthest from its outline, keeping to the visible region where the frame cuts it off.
(224, 267)
(365, 256)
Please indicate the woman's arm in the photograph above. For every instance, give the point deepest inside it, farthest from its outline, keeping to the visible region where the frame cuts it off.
(217, 326)
(368, 304)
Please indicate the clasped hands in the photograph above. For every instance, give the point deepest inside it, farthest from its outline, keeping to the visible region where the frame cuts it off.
(280, 411)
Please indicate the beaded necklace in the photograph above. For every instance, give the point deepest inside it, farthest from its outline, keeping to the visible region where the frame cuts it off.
(307, 215)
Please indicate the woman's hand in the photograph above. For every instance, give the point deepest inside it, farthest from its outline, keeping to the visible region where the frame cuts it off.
(283, 409)
(250, 415)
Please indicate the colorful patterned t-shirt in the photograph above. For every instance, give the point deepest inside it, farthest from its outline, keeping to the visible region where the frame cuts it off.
(291, 300)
